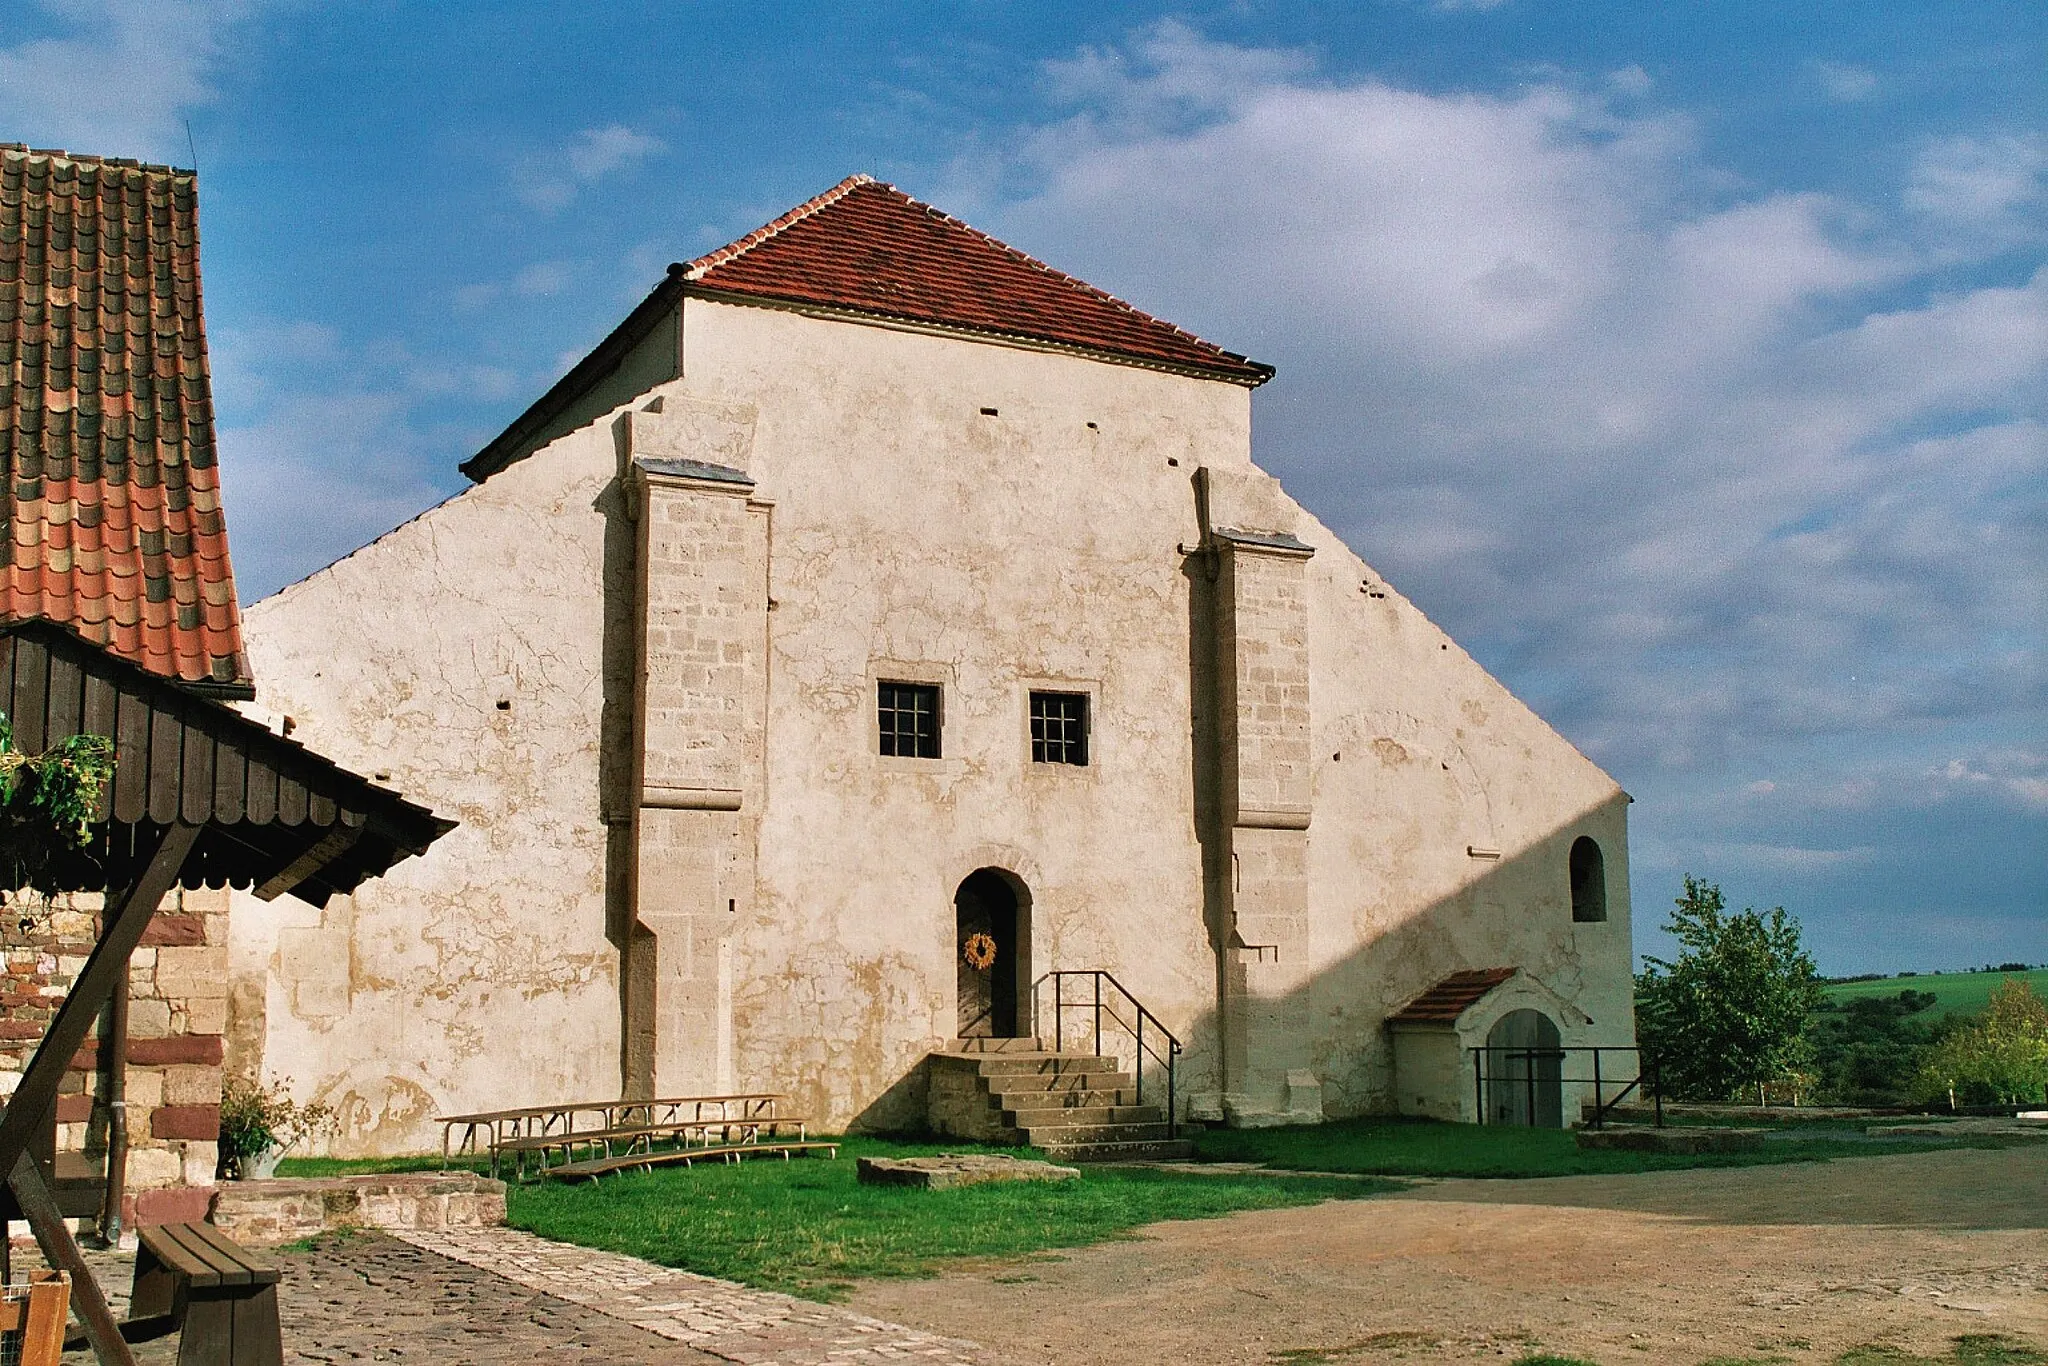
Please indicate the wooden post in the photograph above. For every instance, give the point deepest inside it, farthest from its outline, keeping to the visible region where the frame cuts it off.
(125, 918)
(39, 1207)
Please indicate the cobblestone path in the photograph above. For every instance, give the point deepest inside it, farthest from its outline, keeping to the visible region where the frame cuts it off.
(728, 1322)
(496, 1297)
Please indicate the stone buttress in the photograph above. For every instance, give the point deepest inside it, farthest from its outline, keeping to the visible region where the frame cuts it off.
(1263, 799)
(700, 719)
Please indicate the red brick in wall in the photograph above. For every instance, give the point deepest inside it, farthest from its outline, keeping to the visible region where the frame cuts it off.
(203, 1049)
(186, 1121)
(174, 931)
(179, 1205)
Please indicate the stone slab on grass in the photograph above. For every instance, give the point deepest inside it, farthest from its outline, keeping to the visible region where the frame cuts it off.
(949, 1170)
(1635, 1139)
(286, 1209)
(2018, 1127)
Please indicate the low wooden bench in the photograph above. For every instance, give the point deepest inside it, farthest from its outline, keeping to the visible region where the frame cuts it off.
(637, 1138)
(595, 1167)
(219, 1297)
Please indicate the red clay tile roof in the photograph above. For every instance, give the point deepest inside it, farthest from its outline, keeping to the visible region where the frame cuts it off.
(866, 246)
(1450, 998)
(112, 497)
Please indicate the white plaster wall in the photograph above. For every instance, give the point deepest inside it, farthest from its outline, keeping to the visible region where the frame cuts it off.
(916, 537)
(478, 975)
(911, 536)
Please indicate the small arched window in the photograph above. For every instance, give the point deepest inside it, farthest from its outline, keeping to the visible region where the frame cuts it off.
(1589, 882)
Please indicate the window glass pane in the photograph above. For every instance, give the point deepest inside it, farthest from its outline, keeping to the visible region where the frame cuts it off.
(1059, 728)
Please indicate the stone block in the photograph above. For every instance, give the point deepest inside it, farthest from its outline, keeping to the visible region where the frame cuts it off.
(170, 928)
(203, 1050)
(148, 1019)
(151, 1166)
(145, 1089)
(181, 1206)
(191, 1086)
(199, 1163)
(207, 1015)
(199, 971)
(951, 1170)
(186, 1121)
(1628, 1138)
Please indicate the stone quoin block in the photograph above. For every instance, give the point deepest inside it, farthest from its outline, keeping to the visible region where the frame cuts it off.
(197, 1049)
(186, 1121)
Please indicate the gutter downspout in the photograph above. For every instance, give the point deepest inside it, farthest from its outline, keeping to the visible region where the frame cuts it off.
(117, 1115)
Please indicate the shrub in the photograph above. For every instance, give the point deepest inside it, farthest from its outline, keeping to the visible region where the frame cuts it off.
(2000, 1060)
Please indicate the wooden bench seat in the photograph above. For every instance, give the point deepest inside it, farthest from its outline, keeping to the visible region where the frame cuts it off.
(639, 1137)
(220, 1297)
(643, 1161)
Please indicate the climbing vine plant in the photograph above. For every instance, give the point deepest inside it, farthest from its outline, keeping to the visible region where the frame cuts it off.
(48, 802)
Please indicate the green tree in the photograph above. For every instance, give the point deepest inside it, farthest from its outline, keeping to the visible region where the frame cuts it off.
(2002, 1059)
(1728, 1016)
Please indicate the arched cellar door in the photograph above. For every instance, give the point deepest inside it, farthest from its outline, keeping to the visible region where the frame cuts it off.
(1524, 1071)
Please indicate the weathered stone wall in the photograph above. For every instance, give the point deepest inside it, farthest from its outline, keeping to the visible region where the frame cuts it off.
(925, 508)
(466, 659)
(176, 1016)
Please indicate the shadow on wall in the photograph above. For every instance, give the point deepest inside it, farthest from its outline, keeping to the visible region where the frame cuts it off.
(1515, 911)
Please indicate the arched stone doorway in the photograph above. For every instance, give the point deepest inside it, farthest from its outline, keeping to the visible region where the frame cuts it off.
(996, 904)
(1525, 1071)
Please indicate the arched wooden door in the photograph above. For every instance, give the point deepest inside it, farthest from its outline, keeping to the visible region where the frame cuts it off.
(1524, 1071)
(991, 930)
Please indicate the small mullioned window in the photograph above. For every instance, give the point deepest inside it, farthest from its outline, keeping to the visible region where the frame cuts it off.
(1059, 728)
(909, 719)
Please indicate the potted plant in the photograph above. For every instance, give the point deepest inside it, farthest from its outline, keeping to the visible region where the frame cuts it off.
(259, 1124)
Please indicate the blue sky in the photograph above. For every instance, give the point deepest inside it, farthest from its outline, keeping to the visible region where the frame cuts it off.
(1687, 362)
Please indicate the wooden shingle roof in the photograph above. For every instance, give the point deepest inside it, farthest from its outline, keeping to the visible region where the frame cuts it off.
(277, 817)
(111, 504)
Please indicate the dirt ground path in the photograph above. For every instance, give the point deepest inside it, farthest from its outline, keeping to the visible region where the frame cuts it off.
(1795, 1262)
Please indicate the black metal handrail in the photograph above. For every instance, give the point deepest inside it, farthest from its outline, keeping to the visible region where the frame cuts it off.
(1648, 1078)
(1100, 1006)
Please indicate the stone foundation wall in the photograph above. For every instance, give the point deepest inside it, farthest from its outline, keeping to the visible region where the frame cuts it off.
(176, 1017)
(267, 1213)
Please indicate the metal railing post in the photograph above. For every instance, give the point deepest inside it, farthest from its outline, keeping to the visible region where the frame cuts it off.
(1657, 1080)
(1479, 1082)
(1098, 1014)
(1599, 1093)
(1140, 1060)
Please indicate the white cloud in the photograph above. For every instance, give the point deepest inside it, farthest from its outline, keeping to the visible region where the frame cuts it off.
(550, 180)
(118, 77)
(1720, 478)
(1994, 185)
(1845, 83)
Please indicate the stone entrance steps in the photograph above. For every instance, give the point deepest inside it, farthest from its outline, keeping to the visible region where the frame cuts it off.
(1076, 1107)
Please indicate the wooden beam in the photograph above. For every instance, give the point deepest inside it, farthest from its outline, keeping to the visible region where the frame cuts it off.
(125, 918)
(334, 843)
(39, 1207)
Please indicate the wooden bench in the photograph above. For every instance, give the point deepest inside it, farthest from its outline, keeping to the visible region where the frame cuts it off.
(495, 1128)
(219, 1297)
(638, 1138)
(595, 1167)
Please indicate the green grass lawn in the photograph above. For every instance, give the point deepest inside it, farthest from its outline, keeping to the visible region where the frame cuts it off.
(1955, 993)
(808, 1227)
(1417, 1147)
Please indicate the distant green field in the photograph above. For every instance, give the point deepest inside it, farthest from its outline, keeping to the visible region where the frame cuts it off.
(1955, 993)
